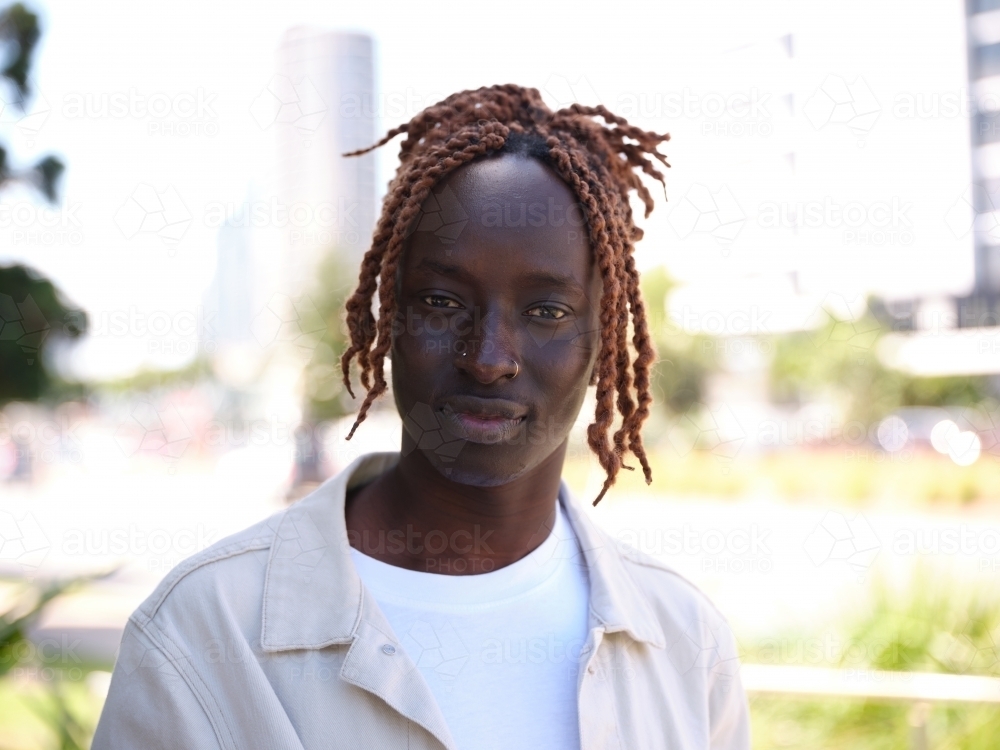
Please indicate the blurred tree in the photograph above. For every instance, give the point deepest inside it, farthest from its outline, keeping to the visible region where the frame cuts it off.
(684, 361)
(32, 314)
(19, 33)
(32, 311)
(838, 362)
(21, 614)
(149, 381)
(25, 606)
(326, 397)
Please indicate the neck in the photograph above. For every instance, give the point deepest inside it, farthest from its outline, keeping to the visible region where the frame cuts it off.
(414, 517)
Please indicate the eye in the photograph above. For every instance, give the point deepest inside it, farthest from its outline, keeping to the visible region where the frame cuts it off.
(546, 312)
(438, 300)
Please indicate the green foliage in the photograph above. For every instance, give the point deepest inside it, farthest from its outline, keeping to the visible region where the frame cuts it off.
(145, 381)
(933, 626)
(326, 397)
(71, 732)
(679, 375)
(656, 285)
(830, 724)
(15, 622)
(33, 314)
(52, 706)
(47, 173)
(946, 391)
(19, 33)
(838, 361)
(684, 361)
(30, 306)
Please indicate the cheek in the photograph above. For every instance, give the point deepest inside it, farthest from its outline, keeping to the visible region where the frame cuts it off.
(564, 376)
(563, 371)
(409, 367)
(413, 381)
(421, 361)
(568, 349)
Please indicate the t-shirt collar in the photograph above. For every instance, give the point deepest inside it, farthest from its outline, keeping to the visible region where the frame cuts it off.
(313, 596)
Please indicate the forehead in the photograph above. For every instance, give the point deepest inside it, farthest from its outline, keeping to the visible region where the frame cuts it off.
(508, 177)
(500, 217)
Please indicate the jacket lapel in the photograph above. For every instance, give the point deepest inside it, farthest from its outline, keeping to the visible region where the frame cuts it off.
(615, 598)
(314, 598)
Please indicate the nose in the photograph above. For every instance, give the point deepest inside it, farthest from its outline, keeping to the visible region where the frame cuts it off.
(486, 369)
(490, 356)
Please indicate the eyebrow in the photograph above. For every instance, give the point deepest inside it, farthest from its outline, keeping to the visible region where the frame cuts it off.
(548, 278)
(532, 278)
(445, 269)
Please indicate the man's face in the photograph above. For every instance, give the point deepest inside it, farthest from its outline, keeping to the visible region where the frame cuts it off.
(498, 328)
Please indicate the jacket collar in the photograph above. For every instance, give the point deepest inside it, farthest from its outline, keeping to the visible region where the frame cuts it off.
(313, 595)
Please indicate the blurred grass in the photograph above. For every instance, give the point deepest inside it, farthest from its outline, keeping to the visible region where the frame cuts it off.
(44, 700)
(859, 475)
(47, 715)
(842, 724)
(932, 626)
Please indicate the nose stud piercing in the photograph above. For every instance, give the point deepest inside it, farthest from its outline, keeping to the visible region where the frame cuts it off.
(517, 367)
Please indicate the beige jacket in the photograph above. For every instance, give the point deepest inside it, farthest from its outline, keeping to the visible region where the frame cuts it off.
(268, 639)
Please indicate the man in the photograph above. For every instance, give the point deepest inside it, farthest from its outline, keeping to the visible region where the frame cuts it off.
(453, 594)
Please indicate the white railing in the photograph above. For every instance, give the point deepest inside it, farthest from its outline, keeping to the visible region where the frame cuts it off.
(919, 688)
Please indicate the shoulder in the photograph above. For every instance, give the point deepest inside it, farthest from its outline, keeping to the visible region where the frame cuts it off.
(696, 633)
(670, 593)
(165, 671)
(234, 564)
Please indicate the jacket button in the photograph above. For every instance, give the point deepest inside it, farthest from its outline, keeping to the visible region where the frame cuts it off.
(590, 669)
(388, 649)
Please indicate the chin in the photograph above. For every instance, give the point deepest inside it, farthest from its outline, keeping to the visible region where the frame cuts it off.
(483, 471)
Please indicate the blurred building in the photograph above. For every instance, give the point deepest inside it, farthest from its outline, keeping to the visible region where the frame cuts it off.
(319, 104)
(926, 338)
(329, 78)
(232, 300)
(746, 116)
(980, 308)
(326, 88)
(246, 274)
(983, 36)
(261, 322)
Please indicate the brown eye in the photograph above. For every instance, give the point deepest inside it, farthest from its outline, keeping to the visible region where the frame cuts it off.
(546, 312)
(437, 300)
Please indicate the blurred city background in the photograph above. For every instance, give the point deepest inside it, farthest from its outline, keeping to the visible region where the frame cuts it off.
(178, 233)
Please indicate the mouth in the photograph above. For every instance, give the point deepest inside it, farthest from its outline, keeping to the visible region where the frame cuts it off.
(482, 420)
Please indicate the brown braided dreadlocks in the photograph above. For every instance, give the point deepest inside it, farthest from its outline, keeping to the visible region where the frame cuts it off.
(599, 162)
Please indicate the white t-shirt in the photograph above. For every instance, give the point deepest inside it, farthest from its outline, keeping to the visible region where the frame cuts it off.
(500, 650)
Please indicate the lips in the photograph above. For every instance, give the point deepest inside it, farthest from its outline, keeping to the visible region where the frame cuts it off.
(482, 420)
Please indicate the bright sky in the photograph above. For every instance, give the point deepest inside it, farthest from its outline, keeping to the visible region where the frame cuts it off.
(726, 187)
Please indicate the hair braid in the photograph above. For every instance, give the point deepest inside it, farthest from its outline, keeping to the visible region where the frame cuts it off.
(602, 163)
(608, 375)
(594, 186)
(459, 150)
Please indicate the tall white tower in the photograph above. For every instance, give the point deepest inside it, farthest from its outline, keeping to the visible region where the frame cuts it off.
(322, 104)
